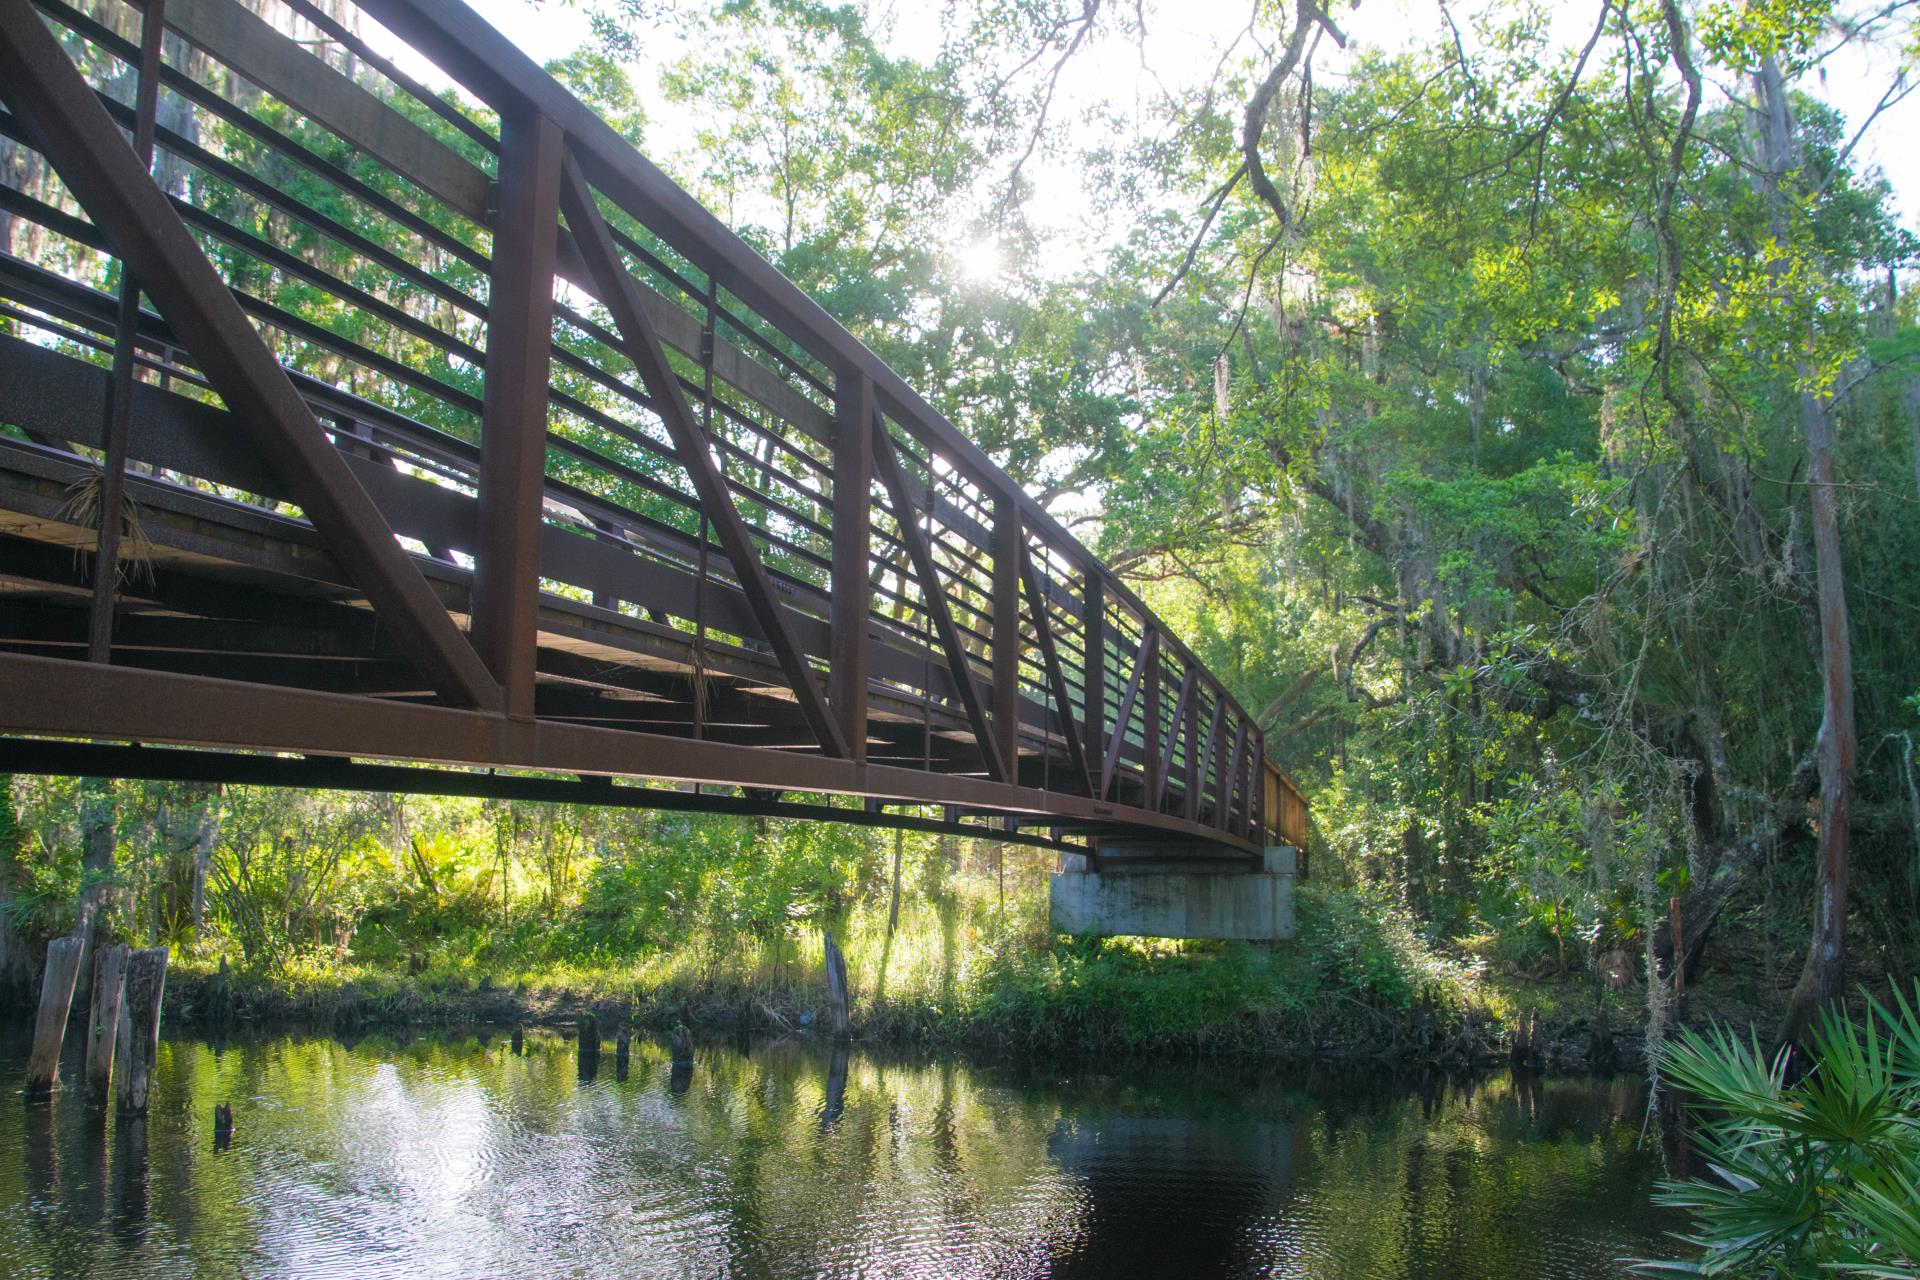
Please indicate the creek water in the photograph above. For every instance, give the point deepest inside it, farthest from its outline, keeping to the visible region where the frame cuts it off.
(450, 1155)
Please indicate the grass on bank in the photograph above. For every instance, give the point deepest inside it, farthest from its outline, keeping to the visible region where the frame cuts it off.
(971, 968)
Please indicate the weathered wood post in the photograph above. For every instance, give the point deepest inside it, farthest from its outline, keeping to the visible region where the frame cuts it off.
(103, 1022)
(836, 1100)
(50, 1027)
(519, 1041)
(836, 988)
(589, 1046)
(222, 1125)
(132, 1178)
(140, 1025)
(680, 1078)
(622, 1053)
(220, 996)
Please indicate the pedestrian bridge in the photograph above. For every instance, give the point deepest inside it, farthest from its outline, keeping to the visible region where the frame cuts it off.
(446, 445)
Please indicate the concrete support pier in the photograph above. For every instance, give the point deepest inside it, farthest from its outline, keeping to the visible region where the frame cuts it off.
(1161, 893)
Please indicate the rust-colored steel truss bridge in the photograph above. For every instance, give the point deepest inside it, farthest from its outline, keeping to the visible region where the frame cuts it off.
(436, 441)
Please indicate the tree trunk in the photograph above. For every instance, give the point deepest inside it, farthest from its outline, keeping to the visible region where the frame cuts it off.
(837, 996)
(203, 841)
(95, 805)
(1838, 743)
(893, 904)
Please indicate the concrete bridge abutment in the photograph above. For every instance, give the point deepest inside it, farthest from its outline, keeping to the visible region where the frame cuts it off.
(1159, 892)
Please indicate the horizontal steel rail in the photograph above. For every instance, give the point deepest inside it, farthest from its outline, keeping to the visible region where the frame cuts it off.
(545, 453)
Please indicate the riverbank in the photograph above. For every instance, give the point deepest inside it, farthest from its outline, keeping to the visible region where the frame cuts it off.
(1565, 1039)
(1356, 985)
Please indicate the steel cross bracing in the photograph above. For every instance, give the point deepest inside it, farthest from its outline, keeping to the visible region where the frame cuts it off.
(445, 430)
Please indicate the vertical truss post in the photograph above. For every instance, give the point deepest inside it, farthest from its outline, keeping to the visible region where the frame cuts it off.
(1239, 809)
(513, 431)
(1093, 624)
(1150, 711)
(1258, 822)
(1217, 748)
(852, 594)
(1196, 770)
(113, 465)
(1007, 543)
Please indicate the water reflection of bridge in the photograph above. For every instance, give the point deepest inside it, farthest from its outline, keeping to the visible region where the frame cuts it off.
(455, 433)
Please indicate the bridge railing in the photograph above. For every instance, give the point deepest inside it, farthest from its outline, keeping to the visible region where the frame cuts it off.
(560, 380)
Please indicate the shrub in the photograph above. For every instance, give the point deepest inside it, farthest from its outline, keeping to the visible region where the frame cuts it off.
(1819, 1177)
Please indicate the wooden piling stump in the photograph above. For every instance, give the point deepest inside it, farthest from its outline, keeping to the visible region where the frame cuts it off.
(103, 1021)
(519, 1040)
(50, 1027)
(222, 1125)
(146, 984)
(682, 1043)
(220, 997)
(837, 988)
(589, 1045)
(622, 1053)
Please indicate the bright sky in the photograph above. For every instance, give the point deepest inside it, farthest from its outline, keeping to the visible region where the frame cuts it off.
(1186, 42)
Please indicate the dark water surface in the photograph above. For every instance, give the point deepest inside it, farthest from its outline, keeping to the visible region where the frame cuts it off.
(451, 1156)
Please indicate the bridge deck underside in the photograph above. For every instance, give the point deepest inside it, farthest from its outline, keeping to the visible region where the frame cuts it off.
(459, 434)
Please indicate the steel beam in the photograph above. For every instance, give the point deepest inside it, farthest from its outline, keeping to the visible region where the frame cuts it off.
(1009, 544)
(1093, 630)
(513, 431)
(1150, 712)
(170, 764)
(852, 596)
(64, 698)
(1217, 748)
(113, 466)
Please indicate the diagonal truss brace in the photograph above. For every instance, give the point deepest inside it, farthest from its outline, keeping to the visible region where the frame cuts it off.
(1180, 725)
(1149, 653)
(1050, 658)
(640, 343)
(71, 128)
(886, 465)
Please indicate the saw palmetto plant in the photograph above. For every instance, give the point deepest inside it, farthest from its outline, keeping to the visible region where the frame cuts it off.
(1819, 1176)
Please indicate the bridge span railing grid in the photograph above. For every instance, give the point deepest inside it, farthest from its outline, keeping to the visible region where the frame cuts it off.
(443, 428)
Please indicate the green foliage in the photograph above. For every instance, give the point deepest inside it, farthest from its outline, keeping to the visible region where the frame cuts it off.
(1366, 948)
(1812, 1177)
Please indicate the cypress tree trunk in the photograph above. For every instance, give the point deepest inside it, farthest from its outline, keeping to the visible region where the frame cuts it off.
(204, 839)
(95, 804)
(1838, 742)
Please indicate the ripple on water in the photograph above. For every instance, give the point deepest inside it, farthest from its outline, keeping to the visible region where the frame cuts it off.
(447, 1157)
